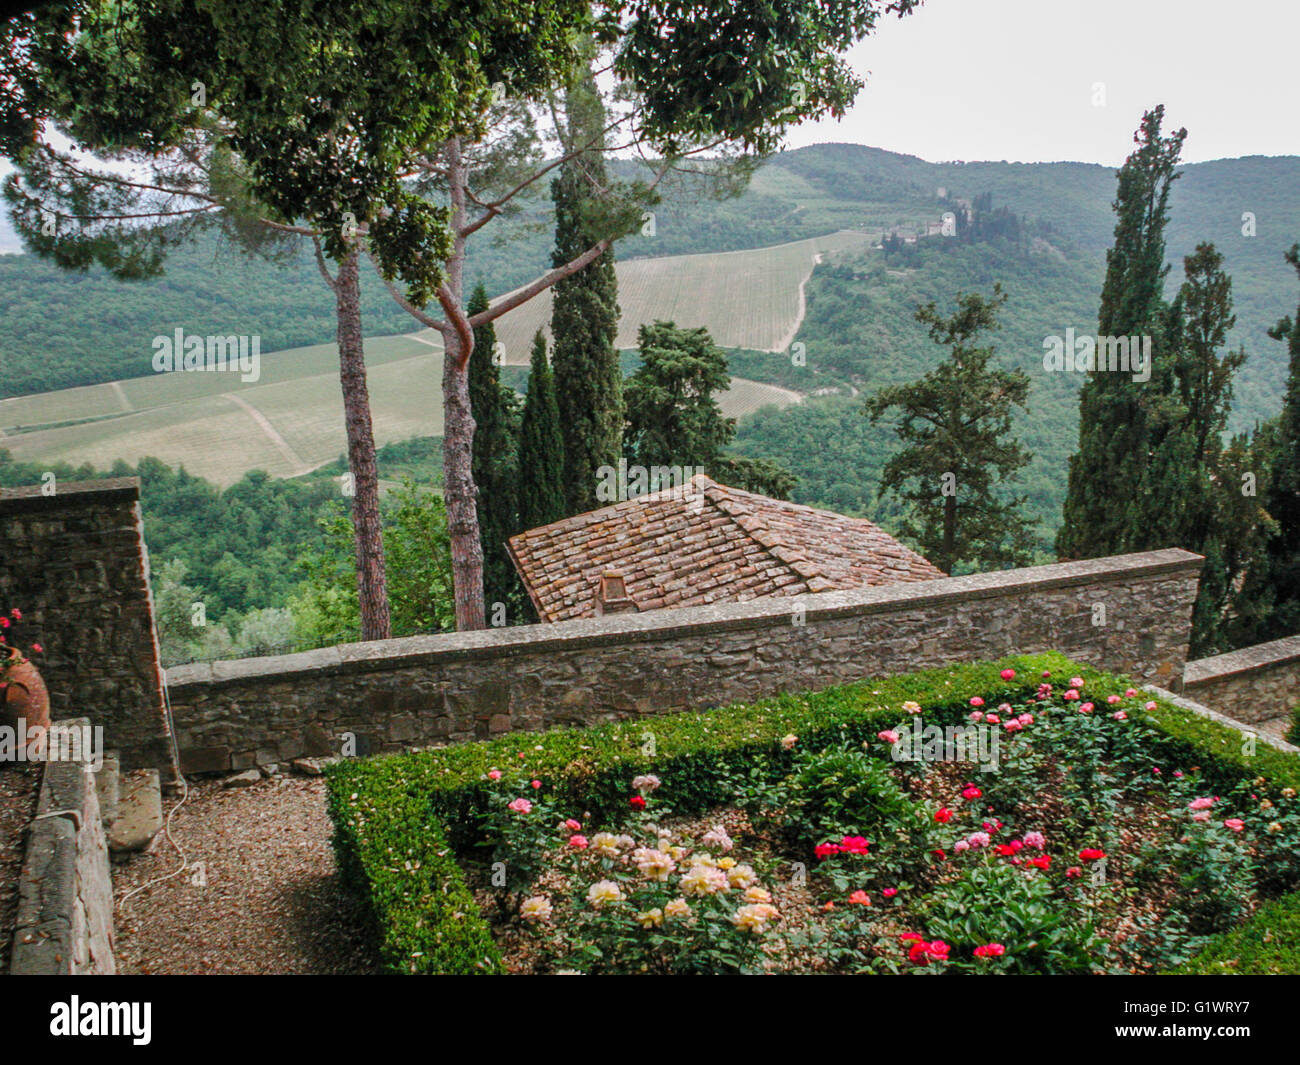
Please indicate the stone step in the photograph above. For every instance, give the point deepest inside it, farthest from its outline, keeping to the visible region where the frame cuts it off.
(140, 813)
(108, 787)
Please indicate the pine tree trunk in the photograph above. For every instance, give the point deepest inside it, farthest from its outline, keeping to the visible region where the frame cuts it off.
(949, 534)
(372, 590)
(459, 491)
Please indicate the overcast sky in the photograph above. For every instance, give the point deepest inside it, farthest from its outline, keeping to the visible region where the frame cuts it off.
(1014, 79)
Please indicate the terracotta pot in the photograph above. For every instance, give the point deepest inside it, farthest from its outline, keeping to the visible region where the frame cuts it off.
(24, 694)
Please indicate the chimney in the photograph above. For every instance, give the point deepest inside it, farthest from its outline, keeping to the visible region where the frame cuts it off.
(612, 597)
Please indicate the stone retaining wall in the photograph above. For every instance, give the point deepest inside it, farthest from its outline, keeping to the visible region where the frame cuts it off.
(65, 891)
(1130, 614)
(75, 563)
(1252, 685)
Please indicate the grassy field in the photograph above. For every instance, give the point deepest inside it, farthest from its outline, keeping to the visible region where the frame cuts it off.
(746, 299)
(290, 420)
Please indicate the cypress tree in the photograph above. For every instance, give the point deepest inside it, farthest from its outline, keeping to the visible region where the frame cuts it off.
(1109, 471)
(584, 315)
(541, 446)
(493, 463)
(1274, 585)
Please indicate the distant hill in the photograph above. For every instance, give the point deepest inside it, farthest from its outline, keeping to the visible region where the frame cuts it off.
(59, 330)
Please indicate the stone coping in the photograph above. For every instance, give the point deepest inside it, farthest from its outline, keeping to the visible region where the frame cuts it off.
(1222, 719)
(669, 624)
(27, 498)
(1248, 659)
(46, 930)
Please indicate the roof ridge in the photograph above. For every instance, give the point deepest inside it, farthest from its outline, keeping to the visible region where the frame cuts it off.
(750, 522)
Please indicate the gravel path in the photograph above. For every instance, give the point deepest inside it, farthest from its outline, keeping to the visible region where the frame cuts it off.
(19, 786)
(260, 895)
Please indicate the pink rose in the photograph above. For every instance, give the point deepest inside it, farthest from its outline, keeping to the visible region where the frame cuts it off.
(976, 701)
(494, 774)
(1234, 823)
(578, 842)
(1008, 674)
(1076, 682)
(520, 806)
(889, 736)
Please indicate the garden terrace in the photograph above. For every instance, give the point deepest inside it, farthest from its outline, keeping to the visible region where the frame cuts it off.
(410, 832)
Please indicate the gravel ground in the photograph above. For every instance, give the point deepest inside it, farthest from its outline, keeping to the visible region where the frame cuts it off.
(260, 895)
(19, 786)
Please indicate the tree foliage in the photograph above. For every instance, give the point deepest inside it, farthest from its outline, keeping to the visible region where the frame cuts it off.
(958, 453)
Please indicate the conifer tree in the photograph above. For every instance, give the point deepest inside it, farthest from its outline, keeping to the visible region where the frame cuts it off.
(1270, 601)
(493, 462)
(541, 446)
(673, 418)
(955, 423)
(584, 315)
(1108, 472)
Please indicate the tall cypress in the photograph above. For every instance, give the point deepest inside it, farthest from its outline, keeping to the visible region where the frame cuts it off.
(584, 316)
(541, 446)
(493, 463)
(1109, 471)
(1275, 583)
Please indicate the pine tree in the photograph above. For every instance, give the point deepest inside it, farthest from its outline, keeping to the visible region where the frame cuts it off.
(541, 446)
(584, 315)
(672, 417)
(493, 463)
(1109, 470)
(955, 424)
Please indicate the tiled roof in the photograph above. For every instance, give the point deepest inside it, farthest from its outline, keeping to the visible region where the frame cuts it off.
(705, 543)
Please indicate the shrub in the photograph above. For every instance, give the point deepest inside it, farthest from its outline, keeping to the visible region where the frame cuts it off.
(402, 821)
(1267, 944)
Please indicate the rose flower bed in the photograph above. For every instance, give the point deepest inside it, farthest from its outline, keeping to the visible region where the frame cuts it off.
(1026, 816)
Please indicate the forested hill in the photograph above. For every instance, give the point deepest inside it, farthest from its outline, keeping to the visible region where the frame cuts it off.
(58, 330)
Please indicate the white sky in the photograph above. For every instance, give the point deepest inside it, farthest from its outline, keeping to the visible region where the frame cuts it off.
(1013, 79)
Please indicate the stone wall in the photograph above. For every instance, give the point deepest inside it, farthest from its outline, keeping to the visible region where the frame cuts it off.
(65, 891)
(75, 563)
(1254, 684)
(1130, 614)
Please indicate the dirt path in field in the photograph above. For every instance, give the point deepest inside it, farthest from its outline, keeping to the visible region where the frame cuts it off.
(120, 392)
(291, 456)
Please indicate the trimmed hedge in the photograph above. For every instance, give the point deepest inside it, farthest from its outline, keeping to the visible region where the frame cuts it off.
(401, 821)
(1268, 944)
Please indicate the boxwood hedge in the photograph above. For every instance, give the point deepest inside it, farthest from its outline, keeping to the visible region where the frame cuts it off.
(1268, 944)
(401, 822)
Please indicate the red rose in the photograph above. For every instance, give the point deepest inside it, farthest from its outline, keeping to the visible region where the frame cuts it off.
(825, 850)
(943, 815)
(636, 802)
(1091, 854)
(1042, 861)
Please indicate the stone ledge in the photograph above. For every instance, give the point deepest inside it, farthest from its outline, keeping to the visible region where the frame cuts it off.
(1247, 660)
(667, 625)
(28, 498)
(64, 920)
(1222, 719)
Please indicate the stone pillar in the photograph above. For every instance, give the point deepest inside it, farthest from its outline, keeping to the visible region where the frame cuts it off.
(73, 559)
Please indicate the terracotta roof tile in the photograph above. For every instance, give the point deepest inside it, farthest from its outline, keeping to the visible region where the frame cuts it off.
(705, 543)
